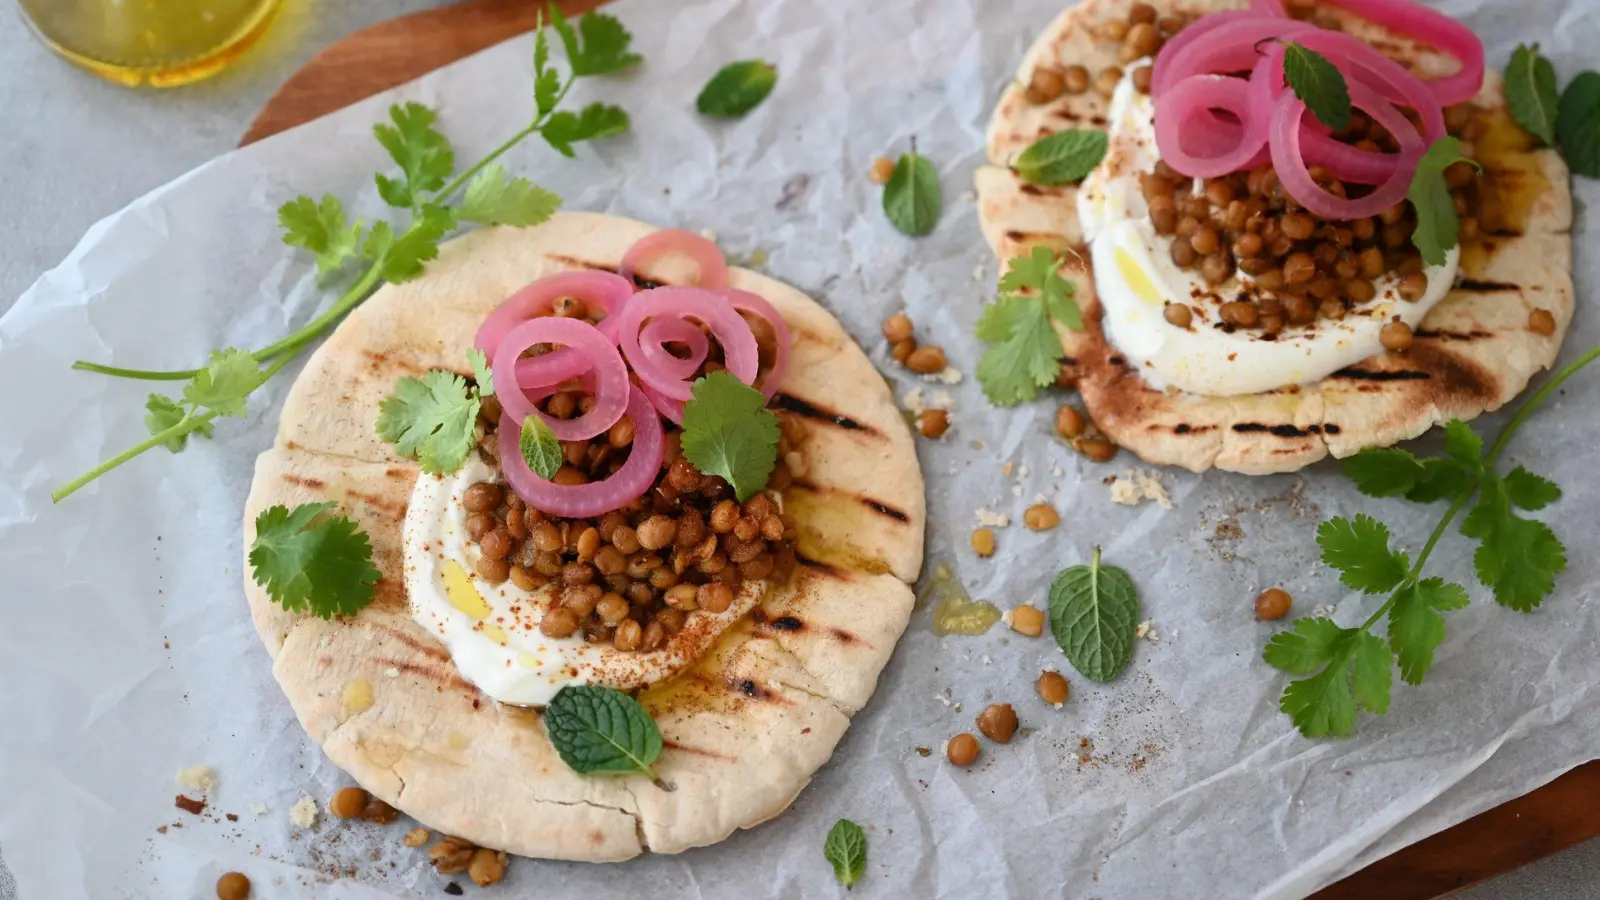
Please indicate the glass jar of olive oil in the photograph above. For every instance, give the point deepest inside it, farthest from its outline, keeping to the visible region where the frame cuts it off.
(161, 43)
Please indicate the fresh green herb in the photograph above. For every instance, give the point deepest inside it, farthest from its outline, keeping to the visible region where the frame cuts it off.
(1437, 225)
(912, 199)
(846, 850)
(1319, 85)
(1578, 124)
(432, 419)
(1094, 611)
(1531, 93)
(737, 88)
(495, 198)
(1025, 351)
(309, 559)
(1518, 559)
(728, 431)
(425, 187)
(601, 731)
(481, 376)
(540, 449)
(1061, 158)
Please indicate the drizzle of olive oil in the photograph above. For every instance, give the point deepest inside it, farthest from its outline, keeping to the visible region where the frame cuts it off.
(1514, 180)
(160, 43)
(954, 611)
(827, 523)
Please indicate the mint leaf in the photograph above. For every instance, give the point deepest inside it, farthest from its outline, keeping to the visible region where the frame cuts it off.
(846, 850)
(1359, 549)
(912, 197)
(1578, 124)
(597, 120)
(1094, 611)
(1319, 85)
(540, 449)
(1065, 157)
(601, 731)
(737, 88)
(1531, 93)
(1415, 627)
(1437, 225)
(321, 229)
(309, 559)
(494, 198)
(728, 431)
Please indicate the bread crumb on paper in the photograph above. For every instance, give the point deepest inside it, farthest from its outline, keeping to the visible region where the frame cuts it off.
(988, 518)
(197, 778)
(1135, 486)
(304, 811)
(257, 809)
(950, 375)
(1147, 632)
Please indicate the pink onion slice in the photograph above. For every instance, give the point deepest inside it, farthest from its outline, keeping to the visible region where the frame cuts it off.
(1199, 94)
(1227, 47)
(666, 406)
(1290, 164)
(712, 309)
(610, 374)
(757, 305)
(1434, 29)
(603, 289)
(627, 484)
(551, 368)
(654, 337)
(667, 241)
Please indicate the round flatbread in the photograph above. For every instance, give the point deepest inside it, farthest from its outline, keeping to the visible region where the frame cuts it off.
(744, 727)
(1473, 351)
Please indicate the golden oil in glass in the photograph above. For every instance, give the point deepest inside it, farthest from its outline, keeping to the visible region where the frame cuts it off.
(161, 43)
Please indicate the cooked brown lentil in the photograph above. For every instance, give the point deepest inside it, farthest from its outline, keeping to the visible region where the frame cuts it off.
(1272, 604)
(1097, 449)
(348, 802)
(1041, 517)
(1076, 79)
(451, 855)
(1070, 423)
(233, 886)
(380, 812)
(902, 351)
(881, 171)
(926, 360)
(416, 837)
(1053, 687)
(933, 423)
(486, 867)
(983, 542)
(1396, 336)
(897, 328)
(1047, 84)
(963, 749)
(1106, 82)
(1541, 321)
(998, 723)
(1027, 619)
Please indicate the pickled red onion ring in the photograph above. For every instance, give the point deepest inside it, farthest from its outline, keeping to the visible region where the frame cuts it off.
(1434, 29)
(1196, 95)
(1228, 47)
(604, 289)
(705, 255)
(654, 337)
(666, 406)
(1290, 164)
(757, 305)
(610, 373)
(713, 310)
(551, 368)
(627, 484)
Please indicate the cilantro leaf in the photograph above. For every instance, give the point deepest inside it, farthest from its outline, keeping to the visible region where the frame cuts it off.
(912, 197)
(728, 431)
(546, 81)
(598, 46)
(846, 850)
(1061, 158)
(1359, 549)
(321, 229)
(163, 413)
(1040, 272)
(480, 372)
(225, 382)
(307, 558)
(1518, 558)
(1319, 84)
(1578, 124)
(1528, 491)
(1415, 627)
(1356, 668)
(1462, 443)
(1383, 472)
(1437, 224)
(597, 120)
(737, 88)
(432, 418)
(423, 154)
(540, 449)
(494, 198)
(403, 257)
(1026, 351)
(1531, 93)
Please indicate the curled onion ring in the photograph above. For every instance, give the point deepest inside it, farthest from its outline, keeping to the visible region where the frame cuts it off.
(624, 486)
(706, 256)
(1290, 163)
(602, 289)
(757, 305)
(712, 308)
(654, 337)
(610, 375)
(1199, 94)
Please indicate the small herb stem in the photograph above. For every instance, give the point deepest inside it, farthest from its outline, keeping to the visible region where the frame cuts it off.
(185, 425)
(538, 123)
(1538, 397)
(137, 374)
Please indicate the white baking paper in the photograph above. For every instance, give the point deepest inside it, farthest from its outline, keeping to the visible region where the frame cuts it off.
(126, 652)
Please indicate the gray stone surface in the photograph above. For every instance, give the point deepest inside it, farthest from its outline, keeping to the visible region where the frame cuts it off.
(75, 149)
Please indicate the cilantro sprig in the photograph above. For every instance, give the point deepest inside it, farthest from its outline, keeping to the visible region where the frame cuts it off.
(728, 431)
(427, 189)
(1025, 351)
(1344, 669)
(309, 559)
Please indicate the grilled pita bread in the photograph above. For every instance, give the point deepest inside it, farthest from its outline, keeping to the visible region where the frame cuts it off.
(1473, 352)
(744, 727)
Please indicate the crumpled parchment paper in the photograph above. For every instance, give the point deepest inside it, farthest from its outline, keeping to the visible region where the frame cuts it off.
(126, 651)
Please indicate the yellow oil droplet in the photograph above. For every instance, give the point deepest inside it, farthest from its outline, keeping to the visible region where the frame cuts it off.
(457, 741)
(357, 696)
(463, 596)
(527, 660)
(494, 633)
(954, 612)
(1136, 278)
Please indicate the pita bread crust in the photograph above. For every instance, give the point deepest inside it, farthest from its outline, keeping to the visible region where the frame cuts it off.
(745, 726)
(1473, 352)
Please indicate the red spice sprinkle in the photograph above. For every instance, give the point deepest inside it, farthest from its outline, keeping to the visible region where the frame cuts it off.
(190, 805)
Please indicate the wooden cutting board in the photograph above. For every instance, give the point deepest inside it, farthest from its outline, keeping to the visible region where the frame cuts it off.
(1551, 818)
